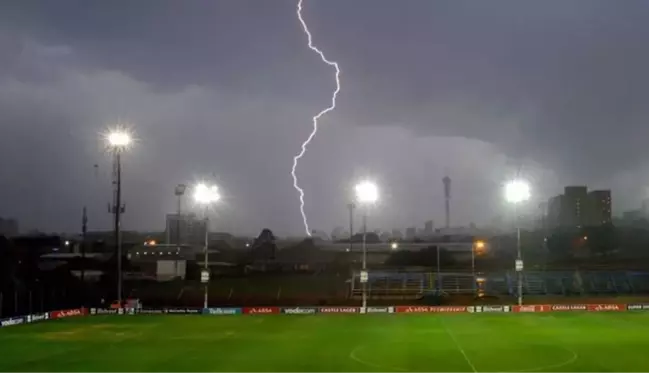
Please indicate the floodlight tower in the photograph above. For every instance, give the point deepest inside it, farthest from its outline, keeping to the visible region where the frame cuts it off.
(118, 141)
(206, 195)
(367, 193)
(517, 192)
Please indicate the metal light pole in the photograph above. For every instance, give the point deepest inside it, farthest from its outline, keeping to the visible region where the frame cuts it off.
(117, 222)
(519, 257)
(366, 194)
(364, 256)
(206, 196)
(518, 191)
(206, 244)
(118, 141)
(351, 207)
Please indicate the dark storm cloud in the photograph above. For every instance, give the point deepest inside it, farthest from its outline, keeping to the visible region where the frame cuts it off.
(549, 80)
(478, 89)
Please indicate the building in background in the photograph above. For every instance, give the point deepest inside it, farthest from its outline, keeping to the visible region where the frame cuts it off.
(576, 208)
(339, 233)
(185, 229)
(396, 234)
(319, 235)
(542, 214)
(429, 228)
(638, 216)
(411, 233)
(573, 206)
(8, 227)
(599, 207)
(645, 206)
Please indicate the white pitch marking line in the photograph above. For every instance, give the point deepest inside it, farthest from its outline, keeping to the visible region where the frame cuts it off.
(352, 355)
(457, 344)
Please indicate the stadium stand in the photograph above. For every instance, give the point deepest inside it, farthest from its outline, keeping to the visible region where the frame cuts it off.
(570, 283)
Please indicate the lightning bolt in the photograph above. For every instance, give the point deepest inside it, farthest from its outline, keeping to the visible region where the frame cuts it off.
(315, 118)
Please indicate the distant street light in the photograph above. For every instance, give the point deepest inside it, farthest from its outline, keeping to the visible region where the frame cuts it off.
(118, 141)
(206, 195)
(516, 192)
(367, 193)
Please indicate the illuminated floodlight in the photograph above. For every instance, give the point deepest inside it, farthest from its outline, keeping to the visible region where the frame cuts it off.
(206, 194)
(394, 246)
(517, 191)
(119, 139)
(367, 192)
(479, 245)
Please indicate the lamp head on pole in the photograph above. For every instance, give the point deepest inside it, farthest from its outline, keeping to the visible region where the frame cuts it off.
(517, 191)
(119, 139)
(205, 194)
(367, 192)
(180, 189)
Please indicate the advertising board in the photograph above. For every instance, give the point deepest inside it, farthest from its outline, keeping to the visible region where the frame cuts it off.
(488, 308)
(299, 310)
(430, 309)
(222, 311)
(606, 307)
(532, 308)
(68, 313)
(260, 310)
(379, 310)
(104, 311)
(150, 311)
(37, 317)
(637, 307)
(338, 310)
(12, 321)
(568, 307)
(183, 311)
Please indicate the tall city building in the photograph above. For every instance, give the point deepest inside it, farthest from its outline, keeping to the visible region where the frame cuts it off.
(599, 207)
(574, 205)
(185, 229)
(576, 208)
(447, 200)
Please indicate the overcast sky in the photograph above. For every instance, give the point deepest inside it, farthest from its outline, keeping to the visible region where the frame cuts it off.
(225, 89)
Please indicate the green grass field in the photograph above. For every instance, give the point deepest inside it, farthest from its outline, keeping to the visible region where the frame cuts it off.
(595, 342)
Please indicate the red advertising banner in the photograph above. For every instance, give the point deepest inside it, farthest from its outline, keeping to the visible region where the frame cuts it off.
(568, 307)
(261, 310)
(606, 307)
(338, 309)
(430, 309)
(532, 308)
(68, 313)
